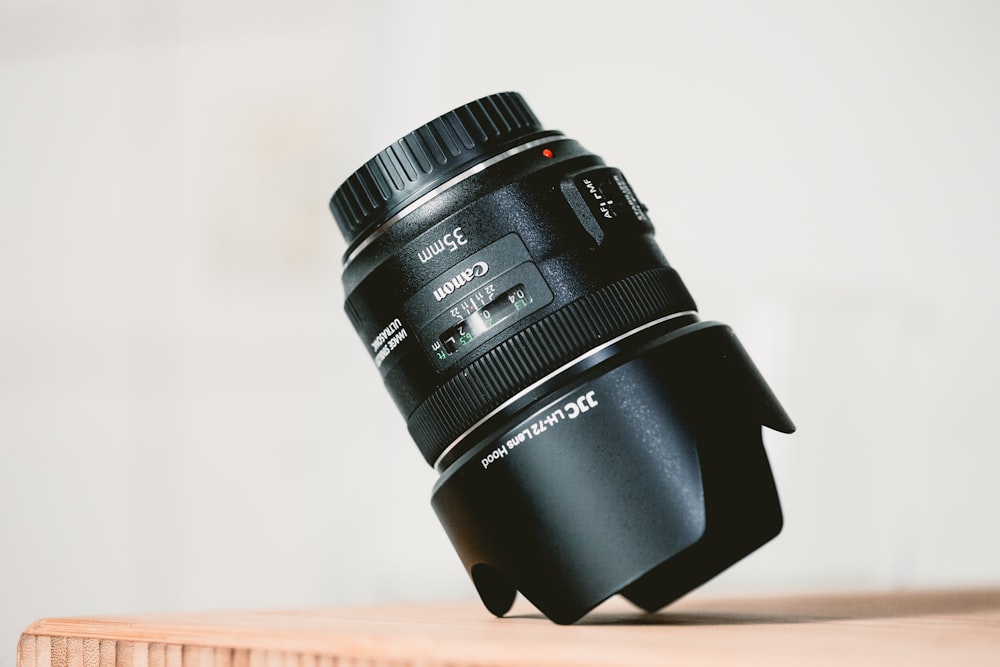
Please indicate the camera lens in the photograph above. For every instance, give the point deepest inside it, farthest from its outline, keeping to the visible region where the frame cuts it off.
(593, 436)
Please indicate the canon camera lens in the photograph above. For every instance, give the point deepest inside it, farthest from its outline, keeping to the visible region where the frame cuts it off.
(592, 435)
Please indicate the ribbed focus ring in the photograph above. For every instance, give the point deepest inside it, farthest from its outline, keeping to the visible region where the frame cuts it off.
(540, 349)
(427, 157)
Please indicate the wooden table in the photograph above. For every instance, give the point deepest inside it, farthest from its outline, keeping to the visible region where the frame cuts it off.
(960, 628)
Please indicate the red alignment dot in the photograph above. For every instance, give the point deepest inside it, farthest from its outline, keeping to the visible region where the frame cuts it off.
(546, 152)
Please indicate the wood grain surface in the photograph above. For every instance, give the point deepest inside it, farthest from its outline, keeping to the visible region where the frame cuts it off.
(959, 628)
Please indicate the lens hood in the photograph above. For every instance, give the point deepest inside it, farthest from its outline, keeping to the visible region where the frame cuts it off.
(647, 479)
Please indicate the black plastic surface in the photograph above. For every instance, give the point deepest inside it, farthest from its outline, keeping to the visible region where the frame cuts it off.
(593, 437)
(646, 479)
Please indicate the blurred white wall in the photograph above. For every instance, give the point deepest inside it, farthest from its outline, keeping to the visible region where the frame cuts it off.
(187, 420)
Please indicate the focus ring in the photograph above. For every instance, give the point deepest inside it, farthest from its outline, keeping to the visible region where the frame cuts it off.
(540, 349)
(427, 157)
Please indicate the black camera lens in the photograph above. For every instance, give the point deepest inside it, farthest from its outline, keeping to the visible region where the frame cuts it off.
(592, 435)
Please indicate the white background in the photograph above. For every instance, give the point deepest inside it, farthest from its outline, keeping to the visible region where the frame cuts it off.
(187, 420)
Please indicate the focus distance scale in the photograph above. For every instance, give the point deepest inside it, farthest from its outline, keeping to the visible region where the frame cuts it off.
(593, 436)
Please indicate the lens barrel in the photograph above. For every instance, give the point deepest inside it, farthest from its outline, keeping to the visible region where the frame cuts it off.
(593, 436)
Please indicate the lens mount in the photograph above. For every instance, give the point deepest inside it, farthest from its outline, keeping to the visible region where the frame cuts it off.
(424, 159)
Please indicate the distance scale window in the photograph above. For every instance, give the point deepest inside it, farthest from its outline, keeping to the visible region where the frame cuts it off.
(482, 311)
(490, 315)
